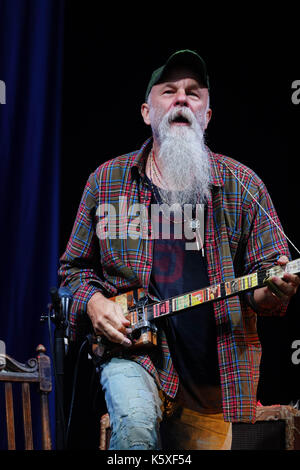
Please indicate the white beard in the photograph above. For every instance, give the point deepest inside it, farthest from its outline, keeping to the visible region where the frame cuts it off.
(183, 159)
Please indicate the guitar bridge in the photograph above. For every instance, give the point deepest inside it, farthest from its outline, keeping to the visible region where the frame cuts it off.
(144, 333)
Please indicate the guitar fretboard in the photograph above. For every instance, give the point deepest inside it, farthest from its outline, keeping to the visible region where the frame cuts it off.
(212, 293)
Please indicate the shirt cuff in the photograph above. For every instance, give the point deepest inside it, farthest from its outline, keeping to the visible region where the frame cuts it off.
(249, 297)
(78, 319)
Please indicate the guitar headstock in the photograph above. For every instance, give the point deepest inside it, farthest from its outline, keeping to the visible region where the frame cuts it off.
(275, 271)
(293, 267)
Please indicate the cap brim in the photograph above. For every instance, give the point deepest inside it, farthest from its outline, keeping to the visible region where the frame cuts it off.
(185, 58)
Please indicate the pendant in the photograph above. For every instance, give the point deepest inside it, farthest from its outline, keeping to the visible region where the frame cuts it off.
(194, 224)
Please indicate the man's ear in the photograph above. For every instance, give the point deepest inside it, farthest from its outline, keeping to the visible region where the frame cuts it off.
(145, 113)
(208, 117)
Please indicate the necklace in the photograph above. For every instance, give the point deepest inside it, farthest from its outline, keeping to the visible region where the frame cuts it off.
(193, 223)
(157, 190)
(155, 170)
(155, 164)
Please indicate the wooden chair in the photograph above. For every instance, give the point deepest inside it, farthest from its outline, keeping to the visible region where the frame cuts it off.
(105, 432)
(37, 371)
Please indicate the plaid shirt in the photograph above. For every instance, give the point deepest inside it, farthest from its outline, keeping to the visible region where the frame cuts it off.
(239, 239)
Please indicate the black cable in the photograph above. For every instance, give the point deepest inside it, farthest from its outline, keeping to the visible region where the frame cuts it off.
(58, 398)
(74, 388)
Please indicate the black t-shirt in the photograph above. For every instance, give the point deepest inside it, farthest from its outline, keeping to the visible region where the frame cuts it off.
(191, 334)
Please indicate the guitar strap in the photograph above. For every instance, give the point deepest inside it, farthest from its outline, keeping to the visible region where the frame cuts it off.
(135, 296)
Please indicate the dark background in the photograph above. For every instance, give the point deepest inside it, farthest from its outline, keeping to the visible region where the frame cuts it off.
(106, 71)
(254, 121)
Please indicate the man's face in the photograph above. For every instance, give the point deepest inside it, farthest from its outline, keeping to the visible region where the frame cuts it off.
(178, 112)
(180, 88)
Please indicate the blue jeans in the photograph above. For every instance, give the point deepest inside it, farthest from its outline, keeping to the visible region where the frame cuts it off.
(133, 404)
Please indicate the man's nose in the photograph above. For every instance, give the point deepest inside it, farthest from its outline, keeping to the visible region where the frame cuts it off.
(181, 98)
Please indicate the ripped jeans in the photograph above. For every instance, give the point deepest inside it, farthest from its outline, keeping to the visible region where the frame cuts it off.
(133, 404)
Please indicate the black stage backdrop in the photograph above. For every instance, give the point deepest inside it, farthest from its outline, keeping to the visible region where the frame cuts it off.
(254, 121)
(105, 71)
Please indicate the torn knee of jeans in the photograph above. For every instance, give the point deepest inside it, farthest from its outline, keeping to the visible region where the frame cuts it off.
(139, 403)
(147, 409)
(137, 430)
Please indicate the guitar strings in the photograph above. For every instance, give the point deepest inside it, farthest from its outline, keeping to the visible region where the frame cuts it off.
(266, 213)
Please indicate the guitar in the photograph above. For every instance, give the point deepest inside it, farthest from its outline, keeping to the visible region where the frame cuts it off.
(142, 312)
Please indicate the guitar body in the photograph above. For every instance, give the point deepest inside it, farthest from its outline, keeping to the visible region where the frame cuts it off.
(129, 301)
(143, 335)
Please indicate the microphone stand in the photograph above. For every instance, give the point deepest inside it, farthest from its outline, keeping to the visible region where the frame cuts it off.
(58, 314)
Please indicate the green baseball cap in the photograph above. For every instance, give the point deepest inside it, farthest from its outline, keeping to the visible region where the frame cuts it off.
(182, 57)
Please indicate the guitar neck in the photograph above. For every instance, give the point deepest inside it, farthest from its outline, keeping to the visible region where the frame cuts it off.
(215, 292)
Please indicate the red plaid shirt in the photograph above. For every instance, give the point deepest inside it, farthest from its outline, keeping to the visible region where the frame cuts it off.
(239, 239)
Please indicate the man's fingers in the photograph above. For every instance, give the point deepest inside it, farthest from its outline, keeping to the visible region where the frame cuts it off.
(108, 319)
(116, 336)
(119, 312)
(282, 260)
(285, 287)
(115, 325)
(107, 324)
(275, 291)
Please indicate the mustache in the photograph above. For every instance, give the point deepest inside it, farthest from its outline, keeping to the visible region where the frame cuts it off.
(181, 114)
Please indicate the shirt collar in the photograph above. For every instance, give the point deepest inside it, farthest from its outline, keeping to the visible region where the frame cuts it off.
(139, 163)
(216, 176)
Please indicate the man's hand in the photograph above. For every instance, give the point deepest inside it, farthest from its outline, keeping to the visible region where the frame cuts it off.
(108, 319)
(287, 287)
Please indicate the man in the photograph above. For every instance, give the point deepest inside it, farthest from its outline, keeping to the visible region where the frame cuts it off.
(206, 363)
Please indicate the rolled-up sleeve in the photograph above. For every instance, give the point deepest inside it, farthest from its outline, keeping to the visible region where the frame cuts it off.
(266, 241)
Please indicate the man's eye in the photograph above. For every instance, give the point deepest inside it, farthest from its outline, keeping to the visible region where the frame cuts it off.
(168, 91)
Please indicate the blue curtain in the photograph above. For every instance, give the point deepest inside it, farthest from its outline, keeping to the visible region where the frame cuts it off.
(31, 52)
